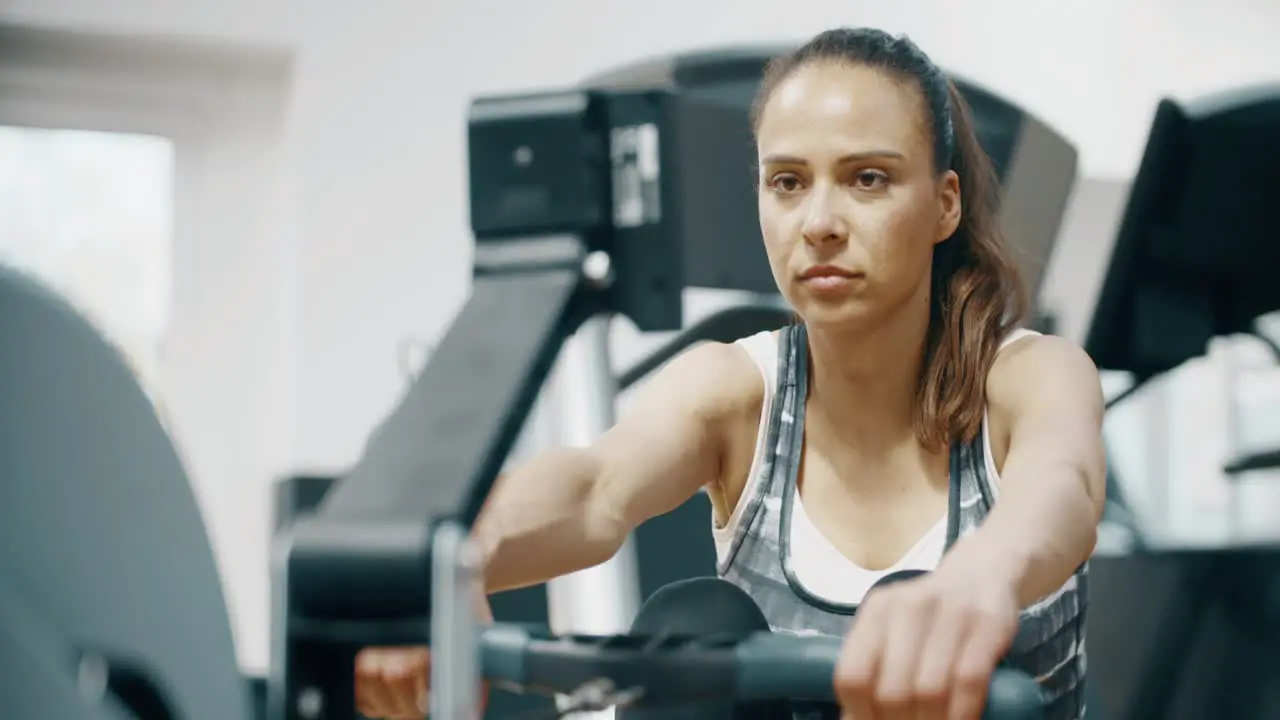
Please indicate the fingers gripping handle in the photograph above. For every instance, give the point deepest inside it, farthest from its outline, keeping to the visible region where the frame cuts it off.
(772, 666)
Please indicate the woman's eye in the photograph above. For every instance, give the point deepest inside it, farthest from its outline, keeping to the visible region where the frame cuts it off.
(871, 179)
(785, 183)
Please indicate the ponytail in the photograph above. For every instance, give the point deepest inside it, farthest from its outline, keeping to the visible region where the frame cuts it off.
(977, 295)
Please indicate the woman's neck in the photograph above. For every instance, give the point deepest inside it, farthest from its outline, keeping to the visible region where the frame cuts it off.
(864, 382)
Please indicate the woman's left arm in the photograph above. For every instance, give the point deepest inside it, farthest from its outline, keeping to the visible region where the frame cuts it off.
(1044, 393)
(926, 647)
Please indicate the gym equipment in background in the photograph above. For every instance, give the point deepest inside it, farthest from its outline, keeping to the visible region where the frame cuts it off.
(108, 586)
(298, 495)
(1191, 633)
(1194, 258)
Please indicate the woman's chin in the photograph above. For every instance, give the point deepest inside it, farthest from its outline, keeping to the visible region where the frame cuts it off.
(835, 316)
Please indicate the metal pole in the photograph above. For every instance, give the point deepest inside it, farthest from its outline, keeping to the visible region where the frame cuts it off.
(1232, 369)
(455, 676)
(1160, 446)
(603, 599)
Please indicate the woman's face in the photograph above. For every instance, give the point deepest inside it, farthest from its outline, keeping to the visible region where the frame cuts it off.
(850, 203)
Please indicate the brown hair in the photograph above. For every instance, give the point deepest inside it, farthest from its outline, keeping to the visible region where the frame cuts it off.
(977, 295)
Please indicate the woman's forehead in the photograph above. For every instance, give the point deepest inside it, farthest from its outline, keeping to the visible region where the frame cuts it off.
(850, 108)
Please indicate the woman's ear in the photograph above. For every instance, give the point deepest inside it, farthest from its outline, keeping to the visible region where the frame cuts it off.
(952, 206)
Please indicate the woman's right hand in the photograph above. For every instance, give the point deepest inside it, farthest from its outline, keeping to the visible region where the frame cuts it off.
(392, 683)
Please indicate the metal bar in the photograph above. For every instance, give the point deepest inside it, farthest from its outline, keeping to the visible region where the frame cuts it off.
(603, 599)
(455, 670)
(361, 555)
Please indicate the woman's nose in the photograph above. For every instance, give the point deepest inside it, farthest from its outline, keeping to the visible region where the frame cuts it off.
(822, 220)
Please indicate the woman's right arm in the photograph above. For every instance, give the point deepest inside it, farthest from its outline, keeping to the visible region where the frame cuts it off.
(567, 509)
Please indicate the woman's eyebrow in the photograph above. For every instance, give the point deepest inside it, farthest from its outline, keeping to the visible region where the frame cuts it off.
(845, 159)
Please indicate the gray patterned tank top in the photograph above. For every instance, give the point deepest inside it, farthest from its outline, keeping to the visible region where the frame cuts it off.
(1050, 640)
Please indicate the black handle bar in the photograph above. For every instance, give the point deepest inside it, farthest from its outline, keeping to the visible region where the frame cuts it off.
(668, 669)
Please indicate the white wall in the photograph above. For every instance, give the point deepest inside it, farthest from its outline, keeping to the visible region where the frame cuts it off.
(328, 222)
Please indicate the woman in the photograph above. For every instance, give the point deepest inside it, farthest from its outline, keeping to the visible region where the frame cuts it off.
(865, 440)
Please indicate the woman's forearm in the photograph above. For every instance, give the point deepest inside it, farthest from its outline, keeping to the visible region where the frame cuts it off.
(542, 521)
(568, 509)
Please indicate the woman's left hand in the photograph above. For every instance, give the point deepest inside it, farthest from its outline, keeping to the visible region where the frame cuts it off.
(927, 647)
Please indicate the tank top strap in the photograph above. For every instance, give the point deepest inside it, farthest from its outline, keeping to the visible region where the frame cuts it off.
(972, 468)
(762, 348)
(971, 496)
(1015, 335)
(774, 355)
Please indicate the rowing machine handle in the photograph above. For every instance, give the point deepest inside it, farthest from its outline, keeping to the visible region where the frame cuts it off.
(760, 667)
(774, 665)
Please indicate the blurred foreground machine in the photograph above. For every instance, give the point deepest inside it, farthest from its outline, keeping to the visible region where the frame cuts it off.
(1191, 633)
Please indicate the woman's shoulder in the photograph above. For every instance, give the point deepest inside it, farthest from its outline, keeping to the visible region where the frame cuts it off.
(1025, 359)
(721, 379)
(1010, 357)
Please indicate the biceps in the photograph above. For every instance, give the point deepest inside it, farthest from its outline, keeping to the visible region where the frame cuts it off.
(652, 462)
(1055, 426)
(1064, 442)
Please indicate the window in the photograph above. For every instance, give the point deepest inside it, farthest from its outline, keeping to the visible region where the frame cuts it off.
(90, 213)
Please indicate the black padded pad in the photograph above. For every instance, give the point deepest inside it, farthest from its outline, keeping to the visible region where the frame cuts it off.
(703, 606)
(99, 528)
